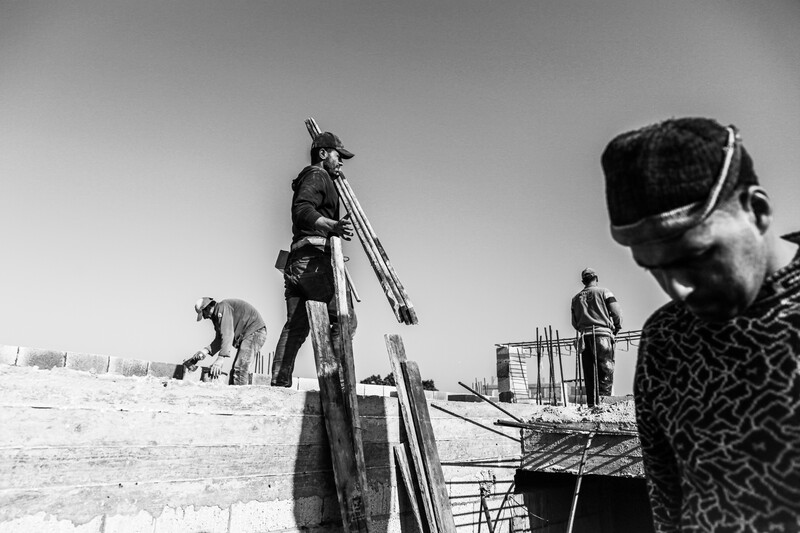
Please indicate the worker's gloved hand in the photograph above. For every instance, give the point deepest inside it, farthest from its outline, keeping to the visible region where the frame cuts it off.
(191, 362)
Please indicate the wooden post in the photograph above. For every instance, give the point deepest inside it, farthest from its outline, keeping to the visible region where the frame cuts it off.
(347, 362)
(397, 356)
(349, 485)
(408, 482)
(430, 455)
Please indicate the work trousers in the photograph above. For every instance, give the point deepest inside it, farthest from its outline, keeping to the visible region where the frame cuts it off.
(308, 275)
(600, 349)
(245, 355)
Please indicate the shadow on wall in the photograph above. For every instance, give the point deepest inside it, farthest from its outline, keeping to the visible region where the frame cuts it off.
(314, 466)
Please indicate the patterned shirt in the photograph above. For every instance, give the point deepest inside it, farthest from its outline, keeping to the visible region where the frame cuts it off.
(718, 412)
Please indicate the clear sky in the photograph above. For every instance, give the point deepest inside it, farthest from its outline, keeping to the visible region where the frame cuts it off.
(147, 150)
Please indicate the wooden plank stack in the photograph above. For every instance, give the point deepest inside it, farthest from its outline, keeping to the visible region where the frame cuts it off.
(387, 277)
(431, 488)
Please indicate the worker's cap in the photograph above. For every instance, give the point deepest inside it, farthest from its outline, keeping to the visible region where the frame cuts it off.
(666, 178)
(588, 274)
(329, 140)
(201, 304)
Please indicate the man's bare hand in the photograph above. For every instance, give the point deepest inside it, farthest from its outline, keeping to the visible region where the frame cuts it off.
(344, 228)
(215, 370)
(341, 228)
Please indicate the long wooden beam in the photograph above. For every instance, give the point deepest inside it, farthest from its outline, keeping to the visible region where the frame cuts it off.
(430, 454)
(397, 356)
(408, 482)
(347, 475)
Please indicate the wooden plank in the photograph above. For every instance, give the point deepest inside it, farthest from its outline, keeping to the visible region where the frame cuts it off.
(340, 435)
(348, 370)
(408, 482)
(397, 357)
(430, 455)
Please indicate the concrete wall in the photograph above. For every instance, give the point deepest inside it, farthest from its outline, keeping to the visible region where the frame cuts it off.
(512, 373)
(93, 451)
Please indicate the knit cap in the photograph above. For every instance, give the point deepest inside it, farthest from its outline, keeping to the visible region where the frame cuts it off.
(665, 178)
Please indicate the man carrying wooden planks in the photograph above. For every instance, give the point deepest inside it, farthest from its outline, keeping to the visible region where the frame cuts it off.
(308, 274)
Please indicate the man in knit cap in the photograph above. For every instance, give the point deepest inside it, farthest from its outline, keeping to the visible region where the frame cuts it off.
(597, 318)
(717, 385)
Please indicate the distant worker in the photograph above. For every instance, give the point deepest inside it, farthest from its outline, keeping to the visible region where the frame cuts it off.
(308, 274)
(240, 334)
(597, 318)
(717, 382)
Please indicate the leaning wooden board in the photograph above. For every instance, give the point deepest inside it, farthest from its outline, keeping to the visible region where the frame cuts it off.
(350, 489)
(397, 356)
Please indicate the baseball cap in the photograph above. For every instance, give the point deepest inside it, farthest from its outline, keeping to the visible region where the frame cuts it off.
(329, 140)
(201, 304)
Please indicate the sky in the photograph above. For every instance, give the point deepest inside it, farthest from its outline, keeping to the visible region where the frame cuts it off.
(147, 150)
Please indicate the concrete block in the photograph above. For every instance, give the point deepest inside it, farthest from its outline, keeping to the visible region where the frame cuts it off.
(50, 524)
(261, 379)
(192, 375)
(8, 354)
(127, 367)
(97, 364)
(44, 359)
(143, 522)
(305, 383)
(165, 370)
(463, 398)
(205, 519)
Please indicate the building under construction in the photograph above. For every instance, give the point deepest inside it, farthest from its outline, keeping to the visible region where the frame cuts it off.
(99, 444)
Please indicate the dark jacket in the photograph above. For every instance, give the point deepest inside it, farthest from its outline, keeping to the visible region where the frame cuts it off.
(314, 196)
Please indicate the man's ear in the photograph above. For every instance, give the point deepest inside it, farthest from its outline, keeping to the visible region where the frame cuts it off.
(759, 204)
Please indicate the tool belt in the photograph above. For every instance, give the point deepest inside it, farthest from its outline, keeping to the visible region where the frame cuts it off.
(312, 240)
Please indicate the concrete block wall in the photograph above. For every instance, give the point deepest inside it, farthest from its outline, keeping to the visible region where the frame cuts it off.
(103, 452)
(93, 363)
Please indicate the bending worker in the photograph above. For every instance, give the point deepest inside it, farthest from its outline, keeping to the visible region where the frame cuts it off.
(597, 318)
(308, 274)
(240, 334)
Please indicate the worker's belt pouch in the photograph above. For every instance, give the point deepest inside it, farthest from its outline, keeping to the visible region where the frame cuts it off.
(283, 258)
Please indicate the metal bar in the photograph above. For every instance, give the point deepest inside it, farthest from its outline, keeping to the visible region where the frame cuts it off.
(578, 484)
(555, 428)
(561, 367)
(596, 373)
(474, 422)
(490, 402)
